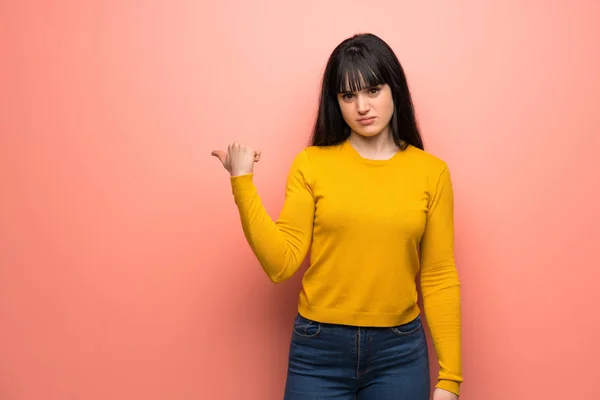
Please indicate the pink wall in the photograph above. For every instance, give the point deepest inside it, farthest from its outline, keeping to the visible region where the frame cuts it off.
(124, 273)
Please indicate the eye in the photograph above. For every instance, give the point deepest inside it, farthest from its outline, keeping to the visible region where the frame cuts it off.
(374, 90)
(347, 96)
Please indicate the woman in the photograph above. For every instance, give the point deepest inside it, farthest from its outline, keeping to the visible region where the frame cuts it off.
(376, 211)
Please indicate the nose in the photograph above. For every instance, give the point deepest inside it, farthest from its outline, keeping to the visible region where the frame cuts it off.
(362, 104)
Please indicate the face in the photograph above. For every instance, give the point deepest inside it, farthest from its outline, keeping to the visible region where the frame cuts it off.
(368, 112)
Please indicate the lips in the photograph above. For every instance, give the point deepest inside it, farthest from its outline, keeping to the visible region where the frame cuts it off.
(366, 121)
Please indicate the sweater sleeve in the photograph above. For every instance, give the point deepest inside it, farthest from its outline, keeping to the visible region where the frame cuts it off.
(281, 245)
(440, 283)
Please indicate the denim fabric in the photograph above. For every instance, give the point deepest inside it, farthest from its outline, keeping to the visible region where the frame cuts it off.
(338, 362)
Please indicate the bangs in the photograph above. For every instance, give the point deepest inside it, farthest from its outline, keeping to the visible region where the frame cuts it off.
(357, 71)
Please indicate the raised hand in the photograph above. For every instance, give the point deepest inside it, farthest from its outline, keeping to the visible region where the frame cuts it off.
(239, 159)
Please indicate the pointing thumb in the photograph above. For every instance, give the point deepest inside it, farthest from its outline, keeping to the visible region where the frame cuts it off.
(220, 155)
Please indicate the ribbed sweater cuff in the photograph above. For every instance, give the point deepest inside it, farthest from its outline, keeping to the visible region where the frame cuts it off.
(451, 386)
(242, 182)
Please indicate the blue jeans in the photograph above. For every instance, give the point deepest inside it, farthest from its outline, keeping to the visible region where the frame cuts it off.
(337, 362)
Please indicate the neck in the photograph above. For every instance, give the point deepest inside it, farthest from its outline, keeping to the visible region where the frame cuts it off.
(376, 147)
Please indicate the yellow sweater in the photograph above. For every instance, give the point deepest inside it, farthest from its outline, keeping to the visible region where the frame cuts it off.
(371, 227)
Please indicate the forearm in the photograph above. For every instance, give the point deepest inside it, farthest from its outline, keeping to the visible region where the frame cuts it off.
(279, 246)
(443, 312)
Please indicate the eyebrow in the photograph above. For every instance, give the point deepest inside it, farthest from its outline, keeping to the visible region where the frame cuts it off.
(365, 88)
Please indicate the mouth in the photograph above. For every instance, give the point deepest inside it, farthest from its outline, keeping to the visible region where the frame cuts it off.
(366, 120)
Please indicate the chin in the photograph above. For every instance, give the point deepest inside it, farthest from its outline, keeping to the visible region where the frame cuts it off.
(367, 131)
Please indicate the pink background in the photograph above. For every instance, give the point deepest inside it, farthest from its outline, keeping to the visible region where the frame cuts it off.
(124, 273)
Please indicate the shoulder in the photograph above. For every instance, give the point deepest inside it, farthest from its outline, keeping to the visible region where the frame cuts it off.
(434, 170)
(429, 163)
(305, 161)
(425, 159)
(322, 152)
(316, 154)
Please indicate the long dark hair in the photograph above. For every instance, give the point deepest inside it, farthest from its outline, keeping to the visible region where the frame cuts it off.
(364, 60)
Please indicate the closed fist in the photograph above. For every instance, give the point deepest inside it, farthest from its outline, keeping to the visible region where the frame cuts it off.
(238, 160)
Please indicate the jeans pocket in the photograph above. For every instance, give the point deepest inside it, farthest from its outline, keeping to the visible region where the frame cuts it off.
(408, 328)
(305, 327)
